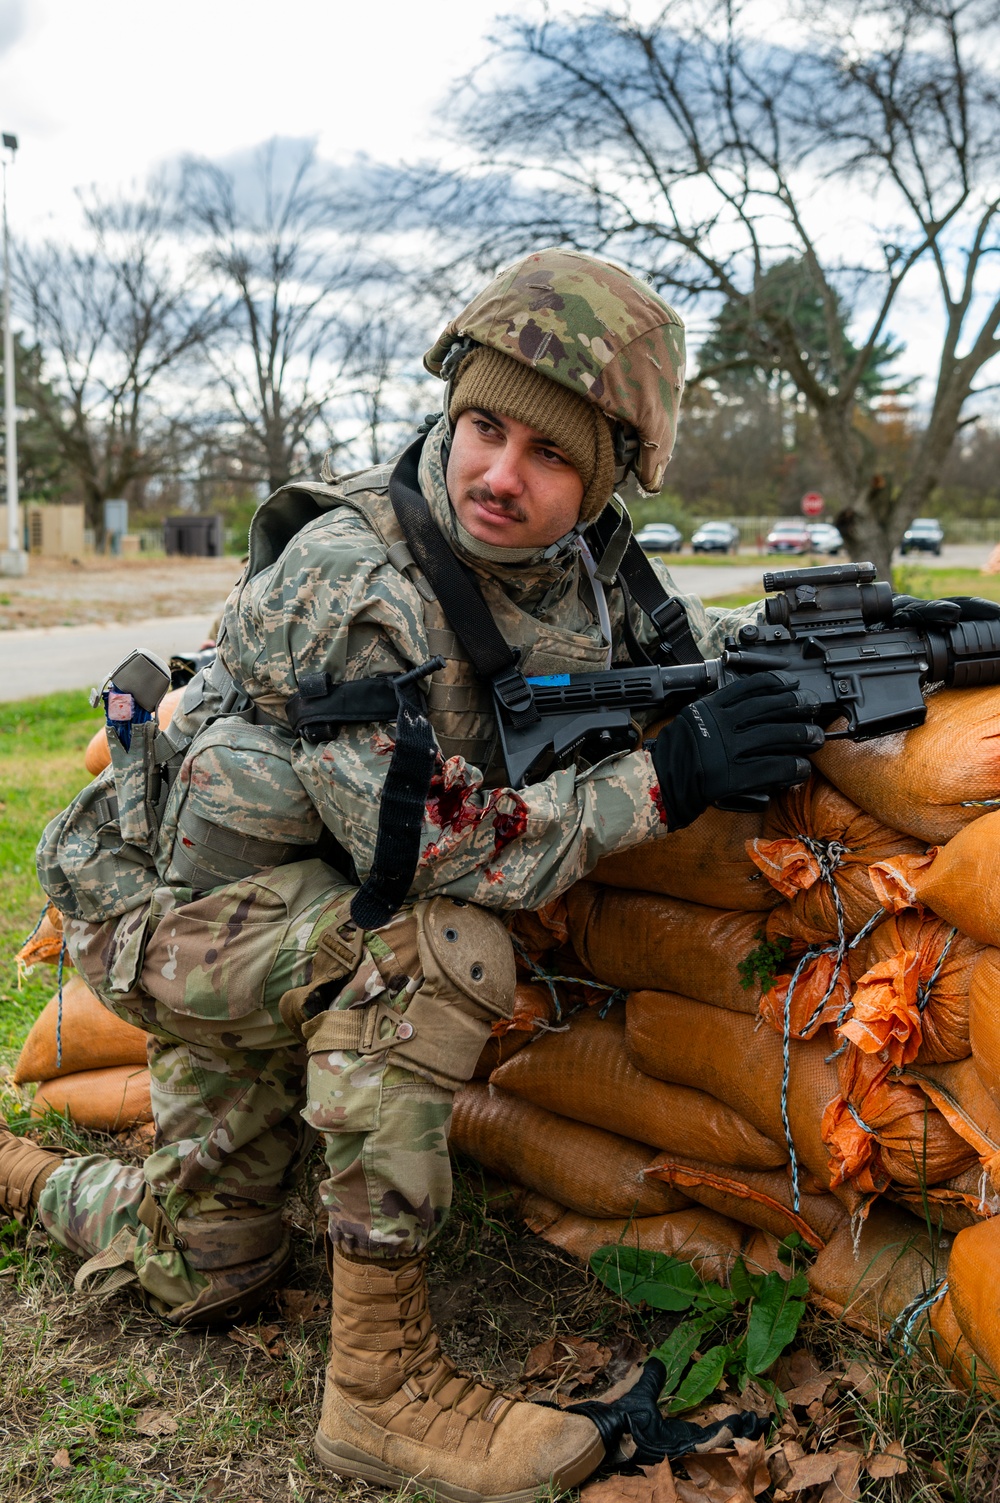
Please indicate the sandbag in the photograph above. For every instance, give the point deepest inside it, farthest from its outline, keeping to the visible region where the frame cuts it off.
(913, 999)
(960, 881)
(972, 1285)
(706, 862)
(724, 1053)
(46, 945)
(959, 1095)
(710, 1243)
(883, 1127)
(952, 1205)
(586, 1075)
(596, 1173)
(867, 1277)
(984, 1020)
(98, 754)
(534, 1011)
(816, 849)
(926, 782)
(634, 939)
(103, 1100)
(944, 1340)
(92, 1037)
(760, 1197)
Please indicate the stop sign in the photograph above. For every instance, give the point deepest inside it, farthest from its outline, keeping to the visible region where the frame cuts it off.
(812, 504)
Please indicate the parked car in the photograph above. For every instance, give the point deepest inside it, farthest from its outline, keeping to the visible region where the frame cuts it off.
(659, 537)
(924, 535)
(716, 537)
(788, 536)
(825, 537)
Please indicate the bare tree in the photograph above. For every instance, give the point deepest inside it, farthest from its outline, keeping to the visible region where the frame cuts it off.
(277, 243)
(862, 144)
(113, 319)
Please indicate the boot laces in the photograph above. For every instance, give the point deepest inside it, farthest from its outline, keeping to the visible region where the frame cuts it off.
(426, 1349)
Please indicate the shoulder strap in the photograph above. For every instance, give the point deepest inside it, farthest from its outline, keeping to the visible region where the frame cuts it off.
(455, 586)
(640, 582)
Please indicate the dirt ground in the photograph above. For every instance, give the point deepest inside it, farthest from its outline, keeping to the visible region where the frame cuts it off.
(72, 592)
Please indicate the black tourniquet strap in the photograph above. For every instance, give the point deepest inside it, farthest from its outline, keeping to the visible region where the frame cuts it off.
(458, 593)
(401, 808)
(640, 583)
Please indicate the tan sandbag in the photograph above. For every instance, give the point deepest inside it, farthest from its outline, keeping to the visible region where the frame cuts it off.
(596, 1173)
(638, 940)
(706, 862)
(883, 1127)
(972, 1283)
(959, 881)
(534, 1012)
(957, 1203)
(950, 1349)
(870, 1284)
(760, 1197)
(103, 1100)
(92, 1037)
(585, 1074)
(46, 945)
(98, 754)
(984, 1020)
(925, 782)
(816, 849)
(964, 1102)
(728, 1056)
(710, 1243)
(913, 998)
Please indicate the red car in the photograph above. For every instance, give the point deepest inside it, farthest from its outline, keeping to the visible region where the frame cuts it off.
(788, 537)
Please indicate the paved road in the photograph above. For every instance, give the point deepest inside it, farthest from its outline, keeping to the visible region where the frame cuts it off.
(42, 660)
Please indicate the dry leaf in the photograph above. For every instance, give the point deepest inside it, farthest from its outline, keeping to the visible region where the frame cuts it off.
(566, 1359)
(795, 1368)
(302, 1304)
(811, 1471)
(61, 1459)
(735, 1476)
(812, 1389)
(888, 1463)
(652, 1485)
(859, 1377)
(845, 1485)
(267, 1339)
(155, 1422)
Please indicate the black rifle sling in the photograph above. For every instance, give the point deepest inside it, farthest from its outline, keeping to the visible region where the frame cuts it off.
(458, 593)
(640, 583)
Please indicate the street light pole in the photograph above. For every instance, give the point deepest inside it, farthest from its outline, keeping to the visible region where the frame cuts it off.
(13, 561)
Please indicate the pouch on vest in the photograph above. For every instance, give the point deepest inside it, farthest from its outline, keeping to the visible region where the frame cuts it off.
(236, 808)
(85, 867)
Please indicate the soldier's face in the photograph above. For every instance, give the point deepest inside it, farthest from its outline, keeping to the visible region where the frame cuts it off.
(509, 484)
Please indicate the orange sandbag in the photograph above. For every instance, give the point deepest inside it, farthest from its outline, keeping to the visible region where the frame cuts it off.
(585, 1074)
(46, 945)
(92, 1037)
(882, 1128)
(103, 1100)
(913, 1001)
(867, 1276)
(816, 849)
(972, 1284)
(760, 1197)
(954, 1204)
(706, 862)
(635, 939)
(534, 1011)
(960, 1096)
(960, 881)
(727, 1055)
(926, 782)
(710, 1243)
(944, 1340)
(543, 929)
(822, 991)
(98, 756)
(984, 1020)
(596, 1173)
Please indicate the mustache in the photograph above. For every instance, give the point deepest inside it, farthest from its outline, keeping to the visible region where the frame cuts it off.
(507, 504)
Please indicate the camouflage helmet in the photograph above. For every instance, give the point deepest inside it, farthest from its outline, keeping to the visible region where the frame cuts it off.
(595, 329)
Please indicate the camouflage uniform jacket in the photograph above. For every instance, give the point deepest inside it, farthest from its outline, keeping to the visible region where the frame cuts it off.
(333, 602)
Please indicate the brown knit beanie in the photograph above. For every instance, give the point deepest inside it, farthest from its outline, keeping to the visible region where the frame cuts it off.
(498, 383)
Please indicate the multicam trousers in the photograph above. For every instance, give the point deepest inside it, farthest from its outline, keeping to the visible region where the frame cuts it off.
(240, 1091)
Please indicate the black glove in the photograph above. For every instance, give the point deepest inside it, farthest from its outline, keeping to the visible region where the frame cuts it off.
(747, 737)
(907, 610)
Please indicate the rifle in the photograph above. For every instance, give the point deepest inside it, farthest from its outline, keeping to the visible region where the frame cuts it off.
(829, 627)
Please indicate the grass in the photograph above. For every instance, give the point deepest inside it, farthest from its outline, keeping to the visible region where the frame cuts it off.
(100, 1402)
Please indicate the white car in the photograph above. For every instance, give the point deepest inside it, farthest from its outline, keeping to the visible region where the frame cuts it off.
(825, 537)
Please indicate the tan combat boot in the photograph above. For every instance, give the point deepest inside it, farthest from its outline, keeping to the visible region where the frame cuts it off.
(395, 1411)
(24, 1168)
